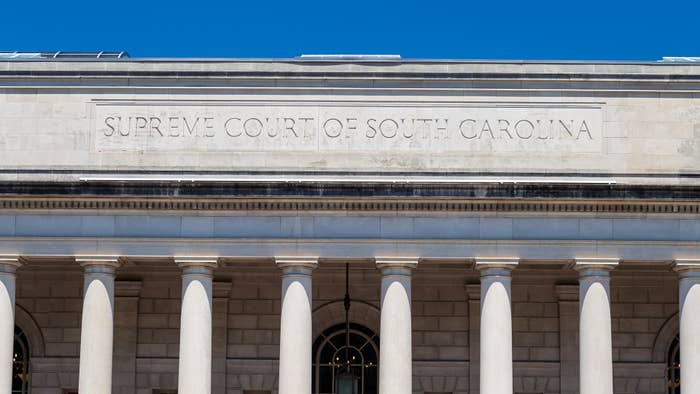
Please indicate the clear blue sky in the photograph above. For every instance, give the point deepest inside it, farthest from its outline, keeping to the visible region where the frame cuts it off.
(486, 29)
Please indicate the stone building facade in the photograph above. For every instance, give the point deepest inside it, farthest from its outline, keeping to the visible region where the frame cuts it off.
(185, 225)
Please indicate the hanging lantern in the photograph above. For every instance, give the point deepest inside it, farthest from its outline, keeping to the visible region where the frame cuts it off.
(346, 383)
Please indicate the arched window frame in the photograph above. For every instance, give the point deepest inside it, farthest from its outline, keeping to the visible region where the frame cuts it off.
(20, 363)
(324, 339)
(673, 367)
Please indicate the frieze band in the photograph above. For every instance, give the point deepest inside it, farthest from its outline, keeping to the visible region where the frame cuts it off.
(291, 127)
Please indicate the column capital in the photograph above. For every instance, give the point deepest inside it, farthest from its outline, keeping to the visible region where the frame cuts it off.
(495, 266)
(197, 265)
(687, 268)
(98, 264)
(296, 264)
(10, 263)
(595, 266)
(386, 264)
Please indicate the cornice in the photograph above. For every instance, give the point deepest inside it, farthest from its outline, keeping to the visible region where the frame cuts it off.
(289, 74)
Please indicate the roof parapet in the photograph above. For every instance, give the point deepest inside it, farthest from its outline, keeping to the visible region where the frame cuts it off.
(63, 55)
(680, 59)
(349, 57)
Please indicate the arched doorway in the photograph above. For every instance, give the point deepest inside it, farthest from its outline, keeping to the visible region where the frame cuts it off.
(20, 363)
(329, 358)
(673, 368)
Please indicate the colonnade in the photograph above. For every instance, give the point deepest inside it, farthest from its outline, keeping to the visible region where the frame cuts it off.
(395, 361)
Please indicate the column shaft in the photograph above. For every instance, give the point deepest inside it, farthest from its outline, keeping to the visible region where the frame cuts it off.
(395, 352)
(194, 370)
(8, 266)
(496, 342)
(689, 305)
(595, 328)
(295, 325)
(97, 329)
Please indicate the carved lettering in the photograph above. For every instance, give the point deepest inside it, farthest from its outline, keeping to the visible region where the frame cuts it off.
(333, 127)
(110, 126)
(584, 130)
(524, 132)
(339, 128)
(372, 128)
(388, 128)
(229, 127)
(466, 128)
(503, 126)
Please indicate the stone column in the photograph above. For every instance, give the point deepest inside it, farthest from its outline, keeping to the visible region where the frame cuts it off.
(8, 267)
(295, 324)
(395, 352)
(194, 371)
(595, 327)
(496, 352)
(689, 305)
(568, 339)
(97, 329)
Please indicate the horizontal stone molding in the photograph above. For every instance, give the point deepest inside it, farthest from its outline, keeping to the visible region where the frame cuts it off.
(549, 252)
(384, 75)
(349, 205)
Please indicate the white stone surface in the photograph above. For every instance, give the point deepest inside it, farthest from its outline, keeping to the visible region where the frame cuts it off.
(633, 129)
(496, 342)
(395, 356)
(595, 333)
(340, 225)
(689, 304)
(295, 325)
(97, 328)
(8, 268)
(195, 365)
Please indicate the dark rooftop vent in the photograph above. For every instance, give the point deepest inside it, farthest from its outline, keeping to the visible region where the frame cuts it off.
(63, 55)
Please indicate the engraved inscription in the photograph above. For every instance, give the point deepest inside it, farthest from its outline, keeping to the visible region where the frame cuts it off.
(489, 127)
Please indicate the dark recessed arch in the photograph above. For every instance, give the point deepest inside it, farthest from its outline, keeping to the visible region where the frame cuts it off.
(25, 321)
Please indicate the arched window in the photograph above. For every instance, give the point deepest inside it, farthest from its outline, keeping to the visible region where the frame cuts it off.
(673, 368)
(20, 363)
(329, 358)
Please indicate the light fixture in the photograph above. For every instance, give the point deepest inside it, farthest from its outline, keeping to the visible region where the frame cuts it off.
(346, 382)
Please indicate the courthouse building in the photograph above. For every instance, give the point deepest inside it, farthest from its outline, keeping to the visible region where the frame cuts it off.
(188, 225)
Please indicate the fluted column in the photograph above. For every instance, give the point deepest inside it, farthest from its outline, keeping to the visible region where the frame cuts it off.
(8, 267)
(97, 329)
(395, 352)
(194, 371)
(595, 327)
(295, 324)
(496, 353)
(689, 305)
